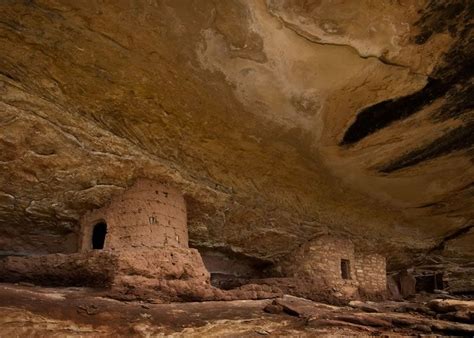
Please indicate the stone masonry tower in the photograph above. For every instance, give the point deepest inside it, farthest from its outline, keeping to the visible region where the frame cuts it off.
(148, 215)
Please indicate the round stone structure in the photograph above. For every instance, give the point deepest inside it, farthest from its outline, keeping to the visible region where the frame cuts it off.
(147, 215)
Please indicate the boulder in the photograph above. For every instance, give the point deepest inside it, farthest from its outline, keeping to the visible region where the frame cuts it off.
(451, 305)
(407, 284)
(392, 289)
(364, 306)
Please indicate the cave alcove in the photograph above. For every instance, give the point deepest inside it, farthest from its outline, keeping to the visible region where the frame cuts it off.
(98, 235)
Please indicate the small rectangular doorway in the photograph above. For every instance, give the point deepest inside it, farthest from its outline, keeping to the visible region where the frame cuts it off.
(345, 269)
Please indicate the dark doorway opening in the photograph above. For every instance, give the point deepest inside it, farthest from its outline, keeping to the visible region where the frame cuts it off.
(429, 282)
(345, 269)
(98, 235)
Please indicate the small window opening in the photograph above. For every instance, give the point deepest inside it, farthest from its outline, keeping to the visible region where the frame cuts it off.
(345, 269)
(429, 282)
(98, 235)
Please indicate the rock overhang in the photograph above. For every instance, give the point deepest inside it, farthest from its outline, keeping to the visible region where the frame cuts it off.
(244, 106)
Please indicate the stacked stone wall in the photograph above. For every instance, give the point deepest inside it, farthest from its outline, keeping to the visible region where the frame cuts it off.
(371, 273)
(147, 215)
(320, 260)
(93, 268)
(103, 268)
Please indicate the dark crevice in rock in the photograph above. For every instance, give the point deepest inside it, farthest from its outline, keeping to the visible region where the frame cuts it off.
(7, 75)
(230, 269)
(442, 16)
(382, 114)
(456, 234)
(457, 139)
(451, 81)
(429, 205)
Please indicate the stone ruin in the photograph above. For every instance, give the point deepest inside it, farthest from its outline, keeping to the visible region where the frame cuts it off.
(333, 263)
(148, 215)
(136, 247)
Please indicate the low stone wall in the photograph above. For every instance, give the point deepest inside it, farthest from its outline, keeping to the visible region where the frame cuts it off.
(95, 268)
(104, 268)
(157, 275)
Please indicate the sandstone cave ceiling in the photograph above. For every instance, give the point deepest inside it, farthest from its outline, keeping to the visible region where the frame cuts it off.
(279, 119)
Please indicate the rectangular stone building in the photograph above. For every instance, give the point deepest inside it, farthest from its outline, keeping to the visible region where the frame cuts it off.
(334, 264)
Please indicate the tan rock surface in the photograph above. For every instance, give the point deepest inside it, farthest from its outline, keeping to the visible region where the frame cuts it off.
(243, 105)
(36, 311)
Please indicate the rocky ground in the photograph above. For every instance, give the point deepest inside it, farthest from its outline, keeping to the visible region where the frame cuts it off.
(33, 311)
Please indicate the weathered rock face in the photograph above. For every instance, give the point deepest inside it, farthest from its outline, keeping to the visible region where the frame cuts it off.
(279, 119)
